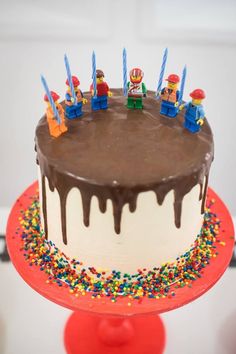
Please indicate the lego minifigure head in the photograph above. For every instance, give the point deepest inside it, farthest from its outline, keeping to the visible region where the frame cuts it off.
(75, 81)
(99, 76)
(136, 75)
(197, 96)
(55, 98)
(173, 81)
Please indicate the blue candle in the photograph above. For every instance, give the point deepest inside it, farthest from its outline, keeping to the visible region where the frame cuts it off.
(162, 72)
(70, 78)
(124, 72)
(48, 93)
(94, 74)
(181, 92)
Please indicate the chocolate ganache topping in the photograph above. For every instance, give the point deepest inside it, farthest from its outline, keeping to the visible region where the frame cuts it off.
(118, 153)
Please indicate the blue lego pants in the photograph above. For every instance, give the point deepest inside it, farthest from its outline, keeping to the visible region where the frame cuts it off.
(74, 111)
(99, 102)
(168, 109)
(191, 125)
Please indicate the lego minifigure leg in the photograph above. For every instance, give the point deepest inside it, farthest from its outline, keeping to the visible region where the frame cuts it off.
(63, 127)
(55, 130)
(139, 103)
(103, 102)
(95, 104)
(192, 127)
(71, 112)
(164, 109)
(172, 112)
(130, 103)
(79, 109)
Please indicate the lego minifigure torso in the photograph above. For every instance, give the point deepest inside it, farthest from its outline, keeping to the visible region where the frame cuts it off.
(135, 89)
(169, 95)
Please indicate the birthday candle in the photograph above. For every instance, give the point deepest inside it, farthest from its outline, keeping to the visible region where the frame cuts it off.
(94, 75)
(48, 93)
(182, 84)
(163, 65)
(70, 78)
(124, 72)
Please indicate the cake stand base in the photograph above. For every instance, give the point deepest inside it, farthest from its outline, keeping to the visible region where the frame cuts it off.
(96, 334)
(100, 326)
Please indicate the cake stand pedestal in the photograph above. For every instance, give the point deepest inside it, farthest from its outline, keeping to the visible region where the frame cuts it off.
(128, 326)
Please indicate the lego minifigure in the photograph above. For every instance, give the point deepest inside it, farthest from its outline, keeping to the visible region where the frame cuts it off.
(194, 114)
(55, 128)
(99, 98)
(136, 89)
(74, 110)
(170, 96)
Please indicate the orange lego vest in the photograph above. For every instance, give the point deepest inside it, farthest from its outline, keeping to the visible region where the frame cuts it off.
(170, 97)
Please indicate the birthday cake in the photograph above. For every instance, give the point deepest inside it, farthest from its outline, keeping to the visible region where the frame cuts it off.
(123, 188)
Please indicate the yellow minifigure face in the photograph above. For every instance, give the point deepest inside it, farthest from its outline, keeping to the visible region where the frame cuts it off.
(56, 103)
(100, 79)
(75, 88)
(196, 101)
(49, 104)
(172, 85)
(135, 78)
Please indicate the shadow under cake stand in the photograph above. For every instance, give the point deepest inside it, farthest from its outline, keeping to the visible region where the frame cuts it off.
(98, 326)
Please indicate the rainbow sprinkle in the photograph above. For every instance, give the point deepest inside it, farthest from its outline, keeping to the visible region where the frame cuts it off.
(155, 283)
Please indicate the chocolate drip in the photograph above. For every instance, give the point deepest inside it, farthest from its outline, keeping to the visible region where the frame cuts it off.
(102, 205)
(86, 202)
(63, 197)
(120, 153)
(133, 203)
(178, 199)
(117, 210)
(204, 193)
(161, 191)
(44, 207)
(200, 193)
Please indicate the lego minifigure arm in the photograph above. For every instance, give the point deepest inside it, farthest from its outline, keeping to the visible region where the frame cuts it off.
(128, 86)
(162, 91)
(84, 100)
(201, 117)
(183, 105)
(177, 99)
(69, 98)
(177, 95)
(144, 89)
(91, 89)
(109, 93)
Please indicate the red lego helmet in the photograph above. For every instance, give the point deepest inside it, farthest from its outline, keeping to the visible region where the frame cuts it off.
(173, 78)
(136, 72)
(75, 81)
(197, 94)
(54, 95)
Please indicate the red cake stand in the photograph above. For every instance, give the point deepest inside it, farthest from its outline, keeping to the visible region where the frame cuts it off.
(99, 326)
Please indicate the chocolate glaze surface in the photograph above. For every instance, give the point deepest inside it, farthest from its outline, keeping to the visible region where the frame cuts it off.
(118, 153)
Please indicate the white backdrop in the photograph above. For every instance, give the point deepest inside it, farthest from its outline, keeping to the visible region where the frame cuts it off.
(34, 35)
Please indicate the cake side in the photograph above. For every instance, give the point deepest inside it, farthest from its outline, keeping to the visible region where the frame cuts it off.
(148, 236)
